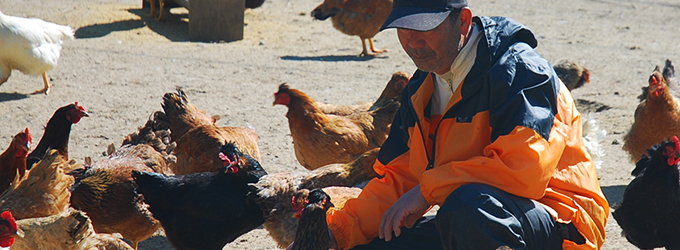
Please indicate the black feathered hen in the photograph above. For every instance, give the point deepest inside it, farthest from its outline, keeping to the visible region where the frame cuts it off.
(649, 214)
(205, 210)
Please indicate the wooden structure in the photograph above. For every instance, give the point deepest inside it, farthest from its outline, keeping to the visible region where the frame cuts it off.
(212, 20)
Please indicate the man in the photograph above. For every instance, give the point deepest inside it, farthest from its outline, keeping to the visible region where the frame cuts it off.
(487, 132)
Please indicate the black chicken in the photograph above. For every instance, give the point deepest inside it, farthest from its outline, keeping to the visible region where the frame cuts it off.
(650, 212)
(57, 132)
(312, 231)
(205, 210)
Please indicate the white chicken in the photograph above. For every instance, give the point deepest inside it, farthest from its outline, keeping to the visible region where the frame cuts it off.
(31, 46)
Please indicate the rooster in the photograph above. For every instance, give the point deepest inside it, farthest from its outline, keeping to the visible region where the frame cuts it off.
(391, 93)
(31, 46)
(361, 18)
(204, 210)
(105, 191)
(199, 139)
(650, 211)
(572, 74)
(274, 192)
(70, 230)
(659, 107)
(43, 192)
(320, 139)
(13, 160)
(57, 132)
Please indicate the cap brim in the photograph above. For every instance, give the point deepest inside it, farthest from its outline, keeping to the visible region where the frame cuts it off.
(420, 19)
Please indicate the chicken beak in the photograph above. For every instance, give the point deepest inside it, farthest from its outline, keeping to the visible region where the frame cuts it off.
(86, 114)
(19, 233)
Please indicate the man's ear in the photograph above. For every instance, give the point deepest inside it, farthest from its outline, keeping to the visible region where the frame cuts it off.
(465, 18)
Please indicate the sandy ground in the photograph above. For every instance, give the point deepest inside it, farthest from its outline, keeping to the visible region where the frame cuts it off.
(123, 61)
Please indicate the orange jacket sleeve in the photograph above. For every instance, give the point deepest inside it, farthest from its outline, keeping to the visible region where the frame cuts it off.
(520, 163)
(357, 223)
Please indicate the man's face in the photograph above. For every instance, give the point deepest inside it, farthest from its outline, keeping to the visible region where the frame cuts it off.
(434, 50)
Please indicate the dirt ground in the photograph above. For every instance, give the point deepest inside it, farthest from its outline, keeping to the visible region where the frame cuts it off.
(123, 61)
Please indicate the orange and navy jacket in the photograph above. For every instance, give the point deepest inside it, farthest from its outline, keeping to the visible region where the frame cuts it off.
(511, 124)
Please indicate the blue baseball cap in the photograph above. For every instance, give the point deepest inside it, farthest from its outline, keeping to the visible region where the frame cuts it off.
(420, 15)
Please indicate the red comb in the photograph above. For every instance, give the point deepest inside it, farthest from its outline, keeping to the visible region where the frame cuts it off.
(7, 215)
(676, 142)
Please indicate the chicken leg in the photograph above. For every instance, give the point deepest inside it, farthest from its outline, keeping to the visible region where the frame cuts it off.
(373, 49)
(47, 87)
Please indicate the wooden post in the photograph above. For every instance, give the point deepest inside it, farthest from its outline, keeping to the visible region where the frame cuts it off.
(216, 20)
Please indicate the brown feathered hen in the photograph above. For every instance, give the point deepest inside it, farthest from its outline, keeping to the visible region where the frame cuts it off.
(105, 190)
(572, 74)
(391, 93)
(320, 139)
(274, 192)
(13, 160)
(659, 107)
(361, 18)
(43, 192)
(70, 230)
(199, 140)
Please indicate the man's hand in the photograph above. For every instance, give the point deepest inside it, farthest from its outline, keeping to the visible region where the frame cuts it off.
(408, 209)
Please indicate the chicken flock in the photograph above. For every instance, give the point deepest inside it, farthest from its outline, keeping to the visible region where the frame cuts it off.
(204, 186)
(202, 183)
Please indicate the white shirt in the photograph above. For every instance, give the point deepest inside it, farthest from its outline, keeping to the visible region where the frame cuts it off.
(446, 84)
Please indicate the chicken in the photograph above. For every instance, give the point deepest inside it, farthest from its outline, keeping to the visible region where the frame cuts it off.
(572, 74)
(205, 210)
(361, 18)
(320, 139)
(274, 192)
(312, 232)
(57, 132)
(43, 192)
(650, 210)
(8, 229)
(391, 93)
(31, 46)
(70, 230)
(13, 160)
(659, 107)
(199, 140)
(105, 191)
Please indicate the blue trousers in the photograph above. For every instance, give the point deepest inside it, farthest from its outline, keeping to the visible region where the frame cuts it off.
(477, 216)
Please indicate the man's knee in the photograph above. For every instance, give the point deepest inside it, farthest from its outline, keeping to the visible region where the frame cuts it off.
(468, 198)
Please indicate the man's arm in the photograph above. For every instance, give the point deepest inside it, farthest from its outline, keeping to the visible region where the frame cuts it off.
(358, 222)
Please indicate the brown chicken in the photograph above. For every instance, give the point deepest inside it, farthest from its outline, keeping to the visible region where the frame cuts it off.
(321, 139)
(105, 191)
(43, 192)
(199, 139)
(391, 93)
(274, 192)
(57, 132)
(659, 107)
(70, 230)
(361, 18)
(572, 74)
(312, 232)
(13, 160)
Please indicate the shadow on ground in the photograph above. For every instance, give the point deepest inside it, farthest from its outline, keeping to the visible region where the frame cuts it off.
(174, 27)
(614, 194)
(5, 97)
(331, 58)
